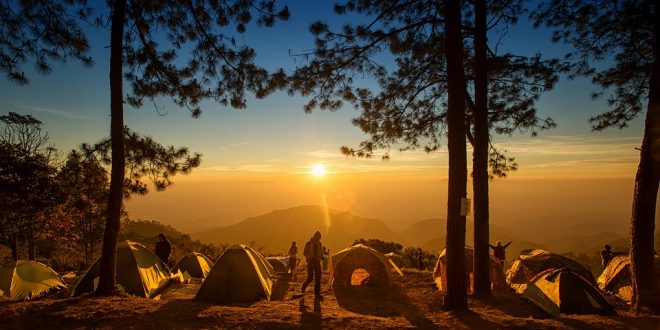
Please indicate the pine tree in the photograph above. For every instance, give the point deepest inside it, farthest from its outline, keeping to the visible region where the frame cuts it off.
(616, 44)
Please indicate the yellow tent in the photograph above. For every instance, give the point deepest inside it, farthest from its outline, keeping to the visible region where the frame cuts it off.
(195, 264)
(241, 274)
(139, 272)
(25, 280)
(564, 291)
(533, 261)
(497, 280)
(360, 256)
(616, 277)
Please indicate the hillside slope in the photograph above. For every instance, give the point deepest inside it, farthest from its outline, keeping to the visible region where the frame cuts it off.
(274, 231)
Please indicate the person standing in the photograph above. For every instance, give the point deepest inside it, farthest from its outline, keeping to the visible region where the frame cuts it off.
(313, 253)
(293, 256)
(606, 255)
(420, 259)
(163, 248)
(499, 252)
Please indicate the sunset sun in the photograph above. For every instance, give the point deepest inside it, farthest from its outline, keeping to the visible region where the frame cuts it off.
(318, 170)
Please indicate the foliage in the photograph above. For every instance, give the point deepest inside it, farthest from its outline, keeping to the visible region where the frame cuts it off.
(380, 245)
(84, 202)
(408, 110)
(612, 44)
(146, 232)
(41, 30)
(27, 189)
(410, 258)
(144, 158)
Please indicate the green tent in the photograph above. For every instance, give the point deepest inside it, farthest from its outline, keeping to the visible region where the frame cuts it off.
(241, 274)
(25, 280)
(564, 291)
(280, 264)
(139, 272)
(534, 261)
(195, 264)
(617, 278)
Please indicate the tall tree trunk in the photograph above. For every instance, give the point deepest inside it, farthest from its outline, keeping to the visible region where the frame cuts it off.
(111, 234)
(30, 242)
(480, 154)
(646, 192)
(13, 245)
(456, 297)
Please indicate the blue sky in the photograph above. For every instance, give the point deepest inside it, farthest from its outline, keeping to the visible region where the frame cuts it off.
(274, 134)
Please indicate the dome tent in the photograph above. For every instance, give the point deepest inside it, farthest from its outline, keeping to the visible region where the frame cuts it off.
(564, 291)
(533, 261)
(195, 264)
(360, 256)
(241, 274)
(26, 280)
(139, 271)
(617, 278)
(280, 264)
(497, 280)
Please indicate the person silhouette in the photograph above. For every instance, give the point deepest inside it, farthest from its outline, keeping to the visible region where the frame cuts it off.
(163, 248)
(606, 255)
(293, 256)
(313, 253)
(499, 252)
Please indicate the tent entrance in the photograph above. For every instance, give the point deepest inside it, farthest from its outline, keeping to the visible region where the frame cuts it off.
(360, 276)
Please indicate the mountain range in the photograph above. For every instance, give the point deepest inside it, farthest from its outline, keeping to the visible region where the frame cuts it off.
(275, 230)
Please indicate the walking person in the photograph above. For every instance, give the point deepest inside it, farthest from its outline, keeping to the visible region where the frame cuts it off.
(293, 259)
(313, 253)
(420, 259)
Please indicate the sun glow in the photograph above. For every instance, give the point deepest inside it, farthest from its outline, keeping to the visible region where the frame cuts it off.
(318, 170)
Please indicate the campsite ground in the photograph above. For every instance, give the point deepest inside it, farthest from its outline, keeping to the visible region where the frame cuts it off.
(412, 303)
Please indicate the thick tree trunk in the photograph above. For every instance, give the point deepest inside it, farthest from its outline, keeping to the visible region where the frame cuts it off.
(480, 154)
(13, 245)
(30, 243)
(109, 251)
(456, 297)
(646, 193)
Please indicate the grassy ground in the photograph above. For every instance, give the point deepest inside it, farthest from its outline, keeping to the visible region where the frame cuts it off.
(412, 302)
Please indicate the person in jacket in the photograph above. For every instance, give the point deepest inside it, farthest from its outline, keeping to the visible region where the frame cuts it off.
(293, 258)
(313, 253)
(163, 248)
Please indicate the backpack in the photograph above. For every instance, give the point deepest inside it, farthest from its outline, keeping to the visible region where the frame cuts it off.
(307, 252)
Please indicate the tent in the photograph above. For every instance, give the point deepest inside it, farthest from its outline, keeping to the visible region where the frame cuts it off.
(139, 272)
(195, 264)
(564, 291)
(533, 261)
(241, 274)
(497, 280)
(616, 277)
(375, 265)
(280, 264)
(25, 280)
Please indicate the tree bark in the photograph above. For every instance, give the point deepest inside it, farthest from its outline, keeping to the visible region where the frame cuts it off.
(646, 193)
(13, 245)
(480, 155)
(109, 251)
(456, 297)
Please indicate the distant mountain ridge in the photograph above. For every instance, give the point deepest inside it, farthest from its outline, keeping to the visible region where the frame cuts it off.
(274, 231)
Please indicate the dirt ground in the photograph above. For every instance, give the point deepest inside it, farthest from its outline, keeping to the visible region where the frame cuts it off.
(413, 302)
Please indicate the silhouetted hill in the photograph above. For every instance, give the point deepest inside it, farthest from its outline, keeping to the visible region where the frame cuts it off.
(419, 233)
(274, 231)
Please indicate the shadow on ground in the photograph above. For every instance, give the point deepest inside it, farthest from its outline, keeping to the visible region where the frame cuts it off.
(383, 302)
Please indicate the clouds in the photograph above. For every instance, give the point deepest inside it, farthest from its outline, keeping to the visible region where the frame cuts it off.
(55, 112)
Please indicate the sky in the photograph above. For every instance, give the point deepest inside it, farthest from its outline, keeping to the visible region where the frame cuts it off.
(259, 159)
